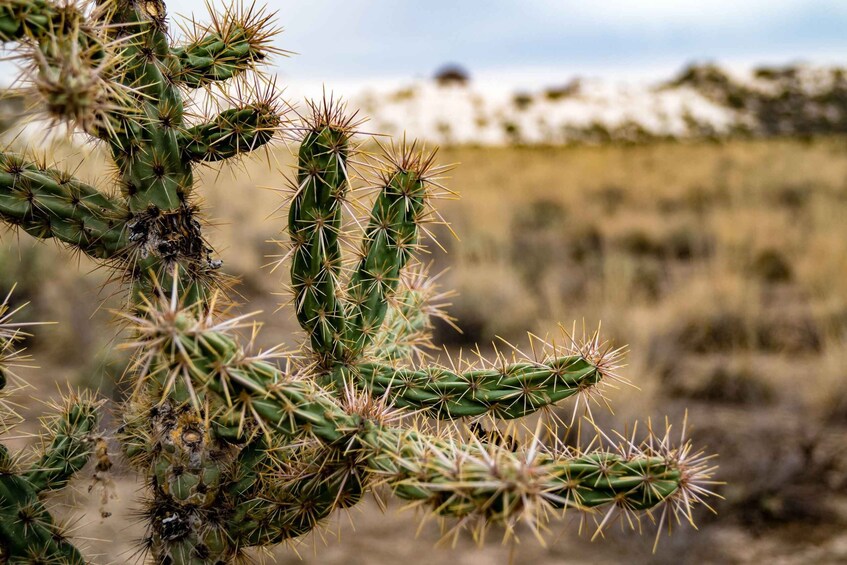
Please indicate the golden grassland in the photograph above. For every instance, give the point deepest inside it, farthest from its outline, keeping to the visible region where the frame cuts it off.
(723, 266)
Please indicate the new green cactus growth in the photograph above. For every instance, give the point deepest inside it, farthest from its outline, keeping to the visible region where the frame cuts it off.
(243, 449)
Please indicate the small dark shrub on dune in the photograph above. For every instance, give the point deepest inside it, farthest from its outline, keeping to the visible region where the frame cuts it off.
(609, 198)
(680, 244)
(585, 244)
(771, 266)
(640, 244)
(793, 197)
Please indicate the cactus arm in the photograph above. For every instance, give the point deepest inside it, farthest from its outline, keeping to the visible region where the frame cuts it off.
(212, 59)
(145, 143)
(391, 235)
(489, 481)
(294, 496)
(232, 132)
(49, 203)
(68, 451)
(314, 223)
(264, 520)
(291, 408)
(511, 391)
(229, 47)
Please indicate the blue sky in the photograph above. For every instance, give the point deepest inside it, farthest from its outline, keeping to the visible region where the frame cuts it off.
(353, 39)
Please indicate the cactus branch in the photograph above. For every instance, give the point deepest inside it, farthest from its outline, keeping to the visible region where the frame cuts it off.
(232, 132)
(314, 226)
(296, 494)
(47, 202)
(507, 391)
(69, 448)
(230, 45)
(497, 485)
(390, 238)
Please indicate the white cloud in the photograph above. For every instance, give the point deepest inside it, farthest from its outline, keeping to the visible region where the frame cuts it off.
(370, 37)
(683, 12)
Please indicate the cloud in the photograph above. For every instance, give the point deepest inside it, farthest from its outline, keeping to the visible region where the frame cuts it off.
(697, 14)
(348, 38)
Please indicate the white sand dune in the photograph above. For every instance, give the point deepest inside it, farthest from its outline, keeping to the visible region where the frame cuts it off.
(585, 110)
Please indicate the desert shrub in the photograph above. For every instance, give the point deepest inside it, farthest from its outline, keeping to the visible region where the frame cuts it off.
(771, 266)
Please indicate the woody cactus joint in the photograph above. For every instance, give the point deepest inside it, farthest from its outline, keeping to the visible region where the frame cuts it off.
(243, 448)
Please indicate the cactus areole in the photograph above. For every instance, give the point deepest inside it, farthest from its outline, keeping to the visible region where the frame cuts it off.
(242, 449)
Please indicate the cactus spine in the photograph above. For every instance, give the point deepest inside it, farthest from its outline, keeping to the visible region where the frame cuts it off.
(244, 449)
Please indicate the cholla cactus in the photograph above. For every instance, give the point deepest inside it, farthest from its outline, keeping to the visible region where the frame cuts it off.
(109, 71)
(249, 449)
(28, 533)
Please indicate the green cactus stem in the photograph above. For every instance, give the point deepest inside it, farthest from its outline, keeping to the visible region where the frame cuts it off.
(513, 390)
(314, 226)
(498, 485)
(388, 243)
(229, 46)
(231, 133)
(47, 202)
